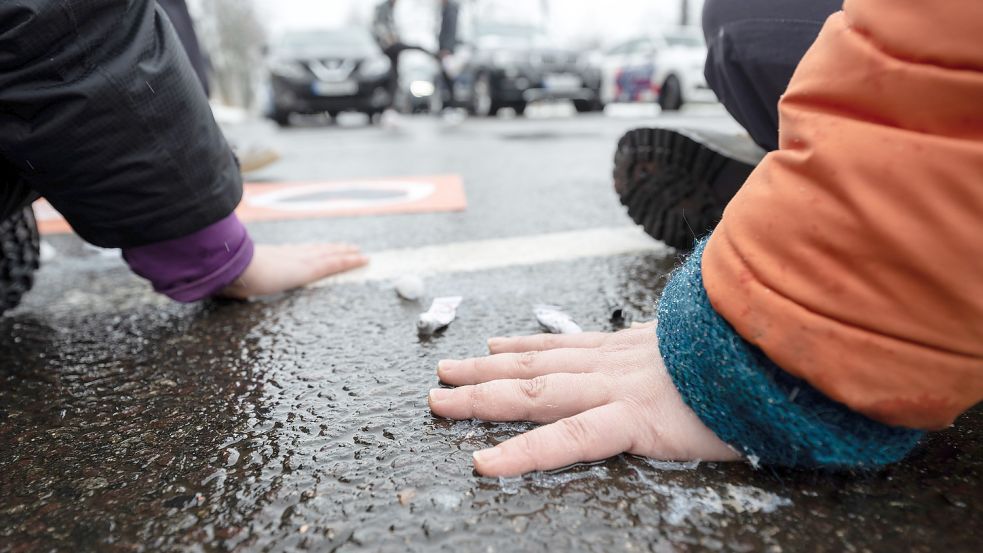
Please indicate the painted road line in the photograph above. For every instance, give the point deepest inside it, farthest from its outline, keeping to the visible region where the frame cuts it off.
(317, 200)
(314, 200)
(480, 255)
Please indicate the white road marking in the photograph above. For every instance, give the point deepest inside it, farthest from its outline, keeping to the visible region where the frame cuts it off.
(480, 255)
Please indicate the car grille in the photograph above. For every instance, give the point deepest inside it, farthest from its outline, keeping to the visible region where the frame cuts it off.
(332, 69)
(553, 61)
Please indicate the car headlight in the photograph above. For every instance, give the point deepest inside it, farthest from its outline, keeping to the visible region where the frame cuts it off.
(422, 89)
(288, 69)
(374, 67)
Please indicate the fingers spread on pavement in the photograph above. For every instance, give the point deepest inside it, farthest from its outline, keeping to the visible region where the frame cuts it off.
(341, 263)
(515, 365)
(542, 399)
(591, 436)
(338, 248)
(542, 342)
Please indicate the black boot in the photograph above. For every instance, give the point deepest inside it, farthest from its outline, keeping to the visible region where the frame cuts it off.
(676, 182)
(20, 257)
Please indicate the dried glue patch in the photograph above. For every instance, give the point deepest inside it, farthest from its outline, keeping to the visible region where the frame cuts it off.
(686, 504)
(551, 480)
(673, 465)
(707, 505)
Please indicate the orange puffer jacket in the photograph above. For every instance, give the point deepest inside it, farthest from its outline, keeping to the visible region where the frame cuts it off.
(853, 256)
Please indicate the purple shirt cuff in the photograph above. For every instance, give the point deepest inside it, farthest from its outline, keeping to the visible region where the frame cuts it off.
(195, 266)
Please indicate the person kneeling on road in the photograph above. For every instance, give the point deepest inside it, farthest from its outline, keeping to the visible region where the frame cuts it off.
(835, 314)
(101, 114)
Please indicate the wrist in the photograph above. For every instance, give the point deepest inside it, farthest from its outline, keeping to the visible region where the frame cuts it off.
(198, 265)
(750, 402)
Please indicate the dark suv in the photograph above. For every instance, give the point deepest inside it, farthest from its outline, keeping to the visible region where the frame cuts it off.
(510, 65)
(327, 71)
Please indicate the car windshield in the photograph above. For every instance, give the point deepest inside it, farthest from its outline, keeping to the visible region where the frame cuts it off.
(685, 40)
(509, 34)
(313, 44)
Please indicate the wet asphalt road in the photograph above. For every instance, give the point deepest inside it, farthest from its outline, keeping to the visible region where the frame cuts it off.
(130, 423)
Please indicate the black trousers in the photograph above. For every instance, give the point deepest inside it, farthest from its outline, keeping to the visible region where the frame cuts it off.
(754, 47)
(393, 52)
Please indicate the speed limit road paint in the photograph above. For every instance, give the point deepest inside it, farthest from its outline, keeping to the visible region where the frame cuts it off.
(315, 200)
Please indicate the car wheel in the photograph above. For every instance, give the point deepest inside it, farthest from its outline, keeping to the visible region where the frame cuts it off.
(584, 106)
(281, 118)
(333, 114)
(520, 108)
(482, 102)
(671, 95)
(20, 255)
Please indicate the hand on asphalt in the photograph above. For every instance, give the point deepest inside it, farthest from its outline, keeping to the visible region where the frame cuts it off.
(602, 394)
(277, 269)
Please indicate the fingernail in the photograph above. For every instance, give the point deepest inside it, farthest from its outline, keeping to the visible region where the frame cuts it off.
(440, 394)
(492, 342)
(486, 455)
(445, 366)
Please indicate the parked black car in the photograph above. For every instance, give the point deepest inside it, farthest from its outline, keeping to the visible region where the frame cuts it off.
(510, 65)
(327, 71)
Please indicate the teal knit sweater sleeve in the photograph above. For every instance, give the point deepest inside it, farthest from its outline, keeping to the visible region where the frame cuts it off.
(750, 402)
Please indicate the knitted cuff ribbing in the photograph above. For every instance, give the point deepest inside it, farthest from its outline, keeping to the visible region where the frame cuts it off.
(750, 402)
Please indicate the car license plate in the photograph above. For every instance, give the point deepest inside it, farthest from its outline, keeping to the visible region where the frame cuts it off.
(341, 88)
(562, 82)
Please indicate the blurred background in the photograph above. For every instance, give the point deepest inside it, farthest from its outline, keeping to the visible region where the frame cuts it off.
(287, 59)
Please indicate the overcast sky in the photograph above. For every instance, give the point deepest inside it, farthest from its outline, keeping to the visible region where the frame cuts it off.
(608, 20)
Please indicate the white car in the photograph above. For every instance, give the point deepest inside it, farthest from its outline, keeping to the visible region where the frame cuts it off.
(666, 67)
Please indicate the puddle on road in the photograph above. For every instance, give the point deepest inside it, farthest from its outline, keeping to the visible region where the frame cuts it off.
(302, 423)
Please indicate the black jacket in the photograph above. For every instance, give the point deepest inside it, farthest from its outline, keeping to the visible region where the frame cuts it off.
(177, 12)
(101, 113)
(384, 25)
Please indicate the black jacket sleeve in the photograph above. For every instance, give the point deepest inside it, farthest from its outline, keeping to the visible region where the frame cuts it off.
(101, 113)
(177, 12)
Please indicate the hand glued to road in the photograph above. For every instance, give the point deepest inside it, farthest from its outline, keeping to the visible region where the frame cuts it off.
(276, 269)
(599, 395)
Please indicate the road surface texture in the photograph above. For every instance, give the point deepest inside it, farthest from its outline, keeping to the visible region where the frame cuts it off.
(300, 422)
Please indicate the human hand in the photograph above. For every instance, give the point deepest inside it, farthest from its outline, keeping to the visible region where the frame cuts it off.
(603, 394)
(277, 269)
